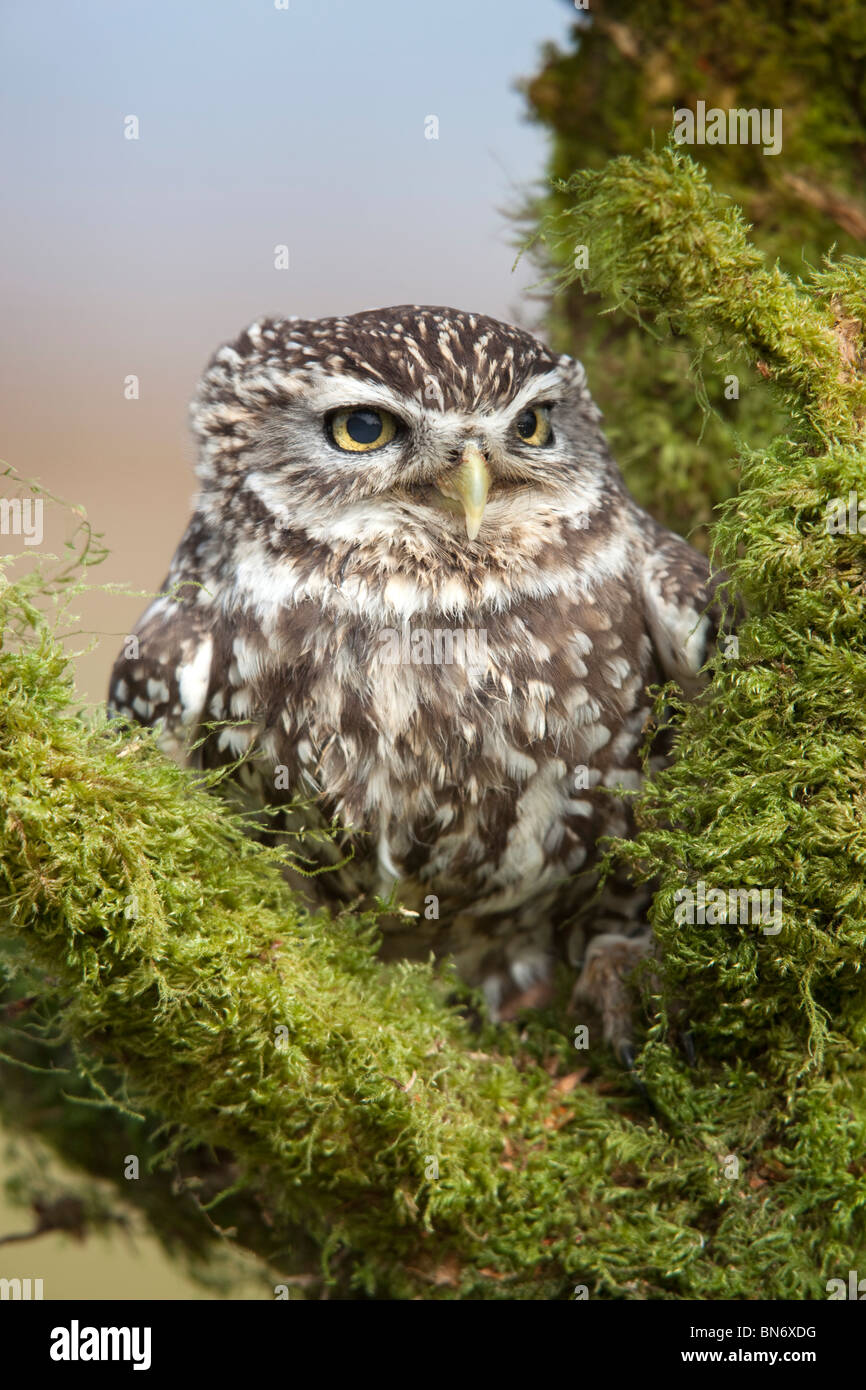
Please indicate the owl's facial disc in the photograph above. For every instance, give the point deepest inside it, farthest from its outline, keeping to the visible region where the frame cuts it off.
(468, 485)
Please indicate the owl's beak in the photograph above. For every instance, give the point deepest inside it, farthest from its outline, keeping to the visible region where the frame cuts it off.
(469, 485)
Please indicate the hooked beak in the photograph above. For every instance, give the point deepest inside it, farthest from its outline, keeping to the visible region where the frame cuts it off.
(469, 485)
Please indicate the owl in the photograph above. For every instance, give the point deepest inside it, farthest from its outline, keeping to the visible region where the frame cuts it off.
(417, 607)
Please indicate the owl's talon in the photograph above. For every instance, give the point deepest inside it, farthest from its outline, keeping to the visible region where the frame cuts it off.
(626, 1057)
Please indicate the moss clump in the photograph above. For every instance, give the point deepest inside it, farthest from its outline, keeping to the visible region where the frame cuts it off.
(609, 92)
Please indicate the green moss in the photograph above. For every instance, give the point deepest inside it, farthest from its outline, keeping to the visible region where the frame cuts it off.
(611, 91)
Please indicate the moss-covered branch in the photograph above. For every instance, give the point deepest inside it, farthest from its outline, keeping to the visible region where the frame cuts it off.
(668, 249)
(344, 1097)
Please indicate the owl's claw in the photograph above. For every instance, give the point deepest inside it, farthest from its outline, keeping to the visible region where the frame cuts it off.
(687, 1038)
(626, 1056)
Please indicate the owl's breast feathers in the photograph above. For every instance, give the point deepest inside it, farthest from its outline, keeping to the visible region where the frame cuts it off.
(469, 747)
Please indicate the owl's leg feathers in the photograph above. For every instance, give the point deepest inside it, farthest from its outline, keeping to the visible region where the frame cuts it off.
(603, 984)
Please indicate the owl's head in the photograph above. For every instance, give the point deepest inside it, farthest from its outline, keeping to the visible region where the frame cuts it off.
(412, 423)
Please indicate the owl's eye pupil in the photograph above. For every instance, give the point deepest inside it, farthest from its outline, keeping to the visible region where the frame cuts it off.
(364, 426)
(527, 423)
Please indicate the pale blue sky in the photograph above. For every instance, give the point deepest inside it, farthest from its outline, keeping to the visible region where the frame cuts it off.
(260, 126)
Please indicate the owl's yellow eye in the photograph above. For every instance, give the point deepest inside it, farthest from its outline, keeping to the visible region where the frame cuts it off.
(360, 430)
(533, 425)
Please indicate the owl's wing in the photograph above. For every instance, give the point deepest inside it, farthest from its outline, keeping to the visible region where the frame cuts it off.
(162, 675)
(682, 617)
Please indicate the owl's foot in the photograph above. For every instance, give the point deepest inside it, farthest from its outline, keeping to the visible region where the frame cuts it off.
(603, 985)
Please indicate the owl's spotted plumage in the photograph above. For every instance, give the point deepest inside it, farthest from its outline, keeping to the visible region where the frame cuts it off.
(330, 561)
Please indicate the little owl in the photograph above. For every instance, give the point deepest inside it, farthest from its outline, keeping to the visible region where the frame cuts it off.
(416, 601)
